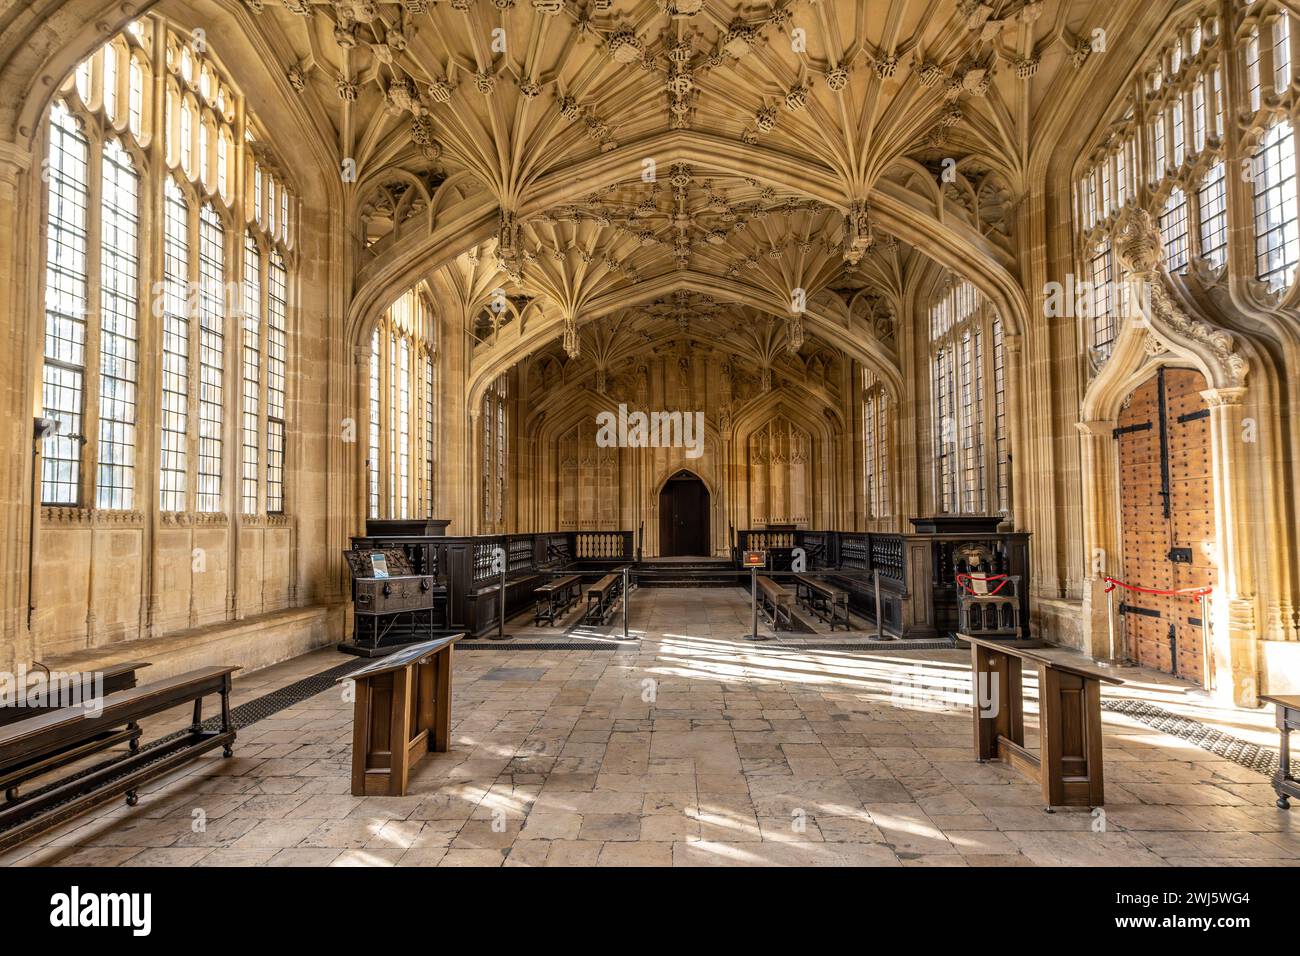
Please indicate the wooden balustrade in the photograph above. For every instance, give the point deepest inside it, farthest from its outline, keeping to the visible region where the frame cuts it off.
(916, 570)
(469, 590)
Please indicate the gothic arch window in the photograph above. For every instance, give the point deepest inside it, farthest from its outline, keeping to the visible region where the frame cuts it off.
(877, 441)
(1173, 229)
(403, 411)
(199, 306)
(1277, 240)
(1212, 203)
(971, 460)
(1176, 124)
(493, 420)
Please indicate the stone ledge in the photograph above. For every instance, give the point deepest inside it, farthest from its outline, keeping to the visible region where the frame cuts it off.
(250, 644)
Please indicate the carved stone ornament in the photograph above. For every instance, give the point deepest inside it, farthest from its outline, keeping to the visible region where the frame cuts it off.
(1140, 250)
(795, 336)
(857, 231)
(440, 91)
(572, 342)
(1151, 344)
(625, 47)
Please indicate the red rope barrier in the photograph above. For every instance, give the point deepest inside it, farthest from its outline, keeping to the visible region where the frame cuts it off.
(964, 579)
(1193, 594)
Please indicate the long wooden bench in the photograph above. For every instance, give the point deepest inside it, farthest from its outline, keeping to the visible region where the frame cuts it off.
(775, 601)
(555, 597)
(32, 748)
(829, 603)
(602, 594)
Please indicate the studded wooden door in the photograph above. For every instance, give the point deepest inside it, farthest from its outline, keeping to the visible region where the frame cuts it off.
(1167, 515)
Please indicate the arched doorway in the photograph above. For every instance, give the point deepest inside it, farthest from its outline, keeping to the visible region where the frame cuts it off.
(1167, 519)
(683, 517)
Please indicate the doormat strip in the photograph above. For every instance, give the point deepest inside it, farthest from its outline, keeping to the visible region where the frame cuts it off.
(869, 646)
(519, 645)
(1241, 752)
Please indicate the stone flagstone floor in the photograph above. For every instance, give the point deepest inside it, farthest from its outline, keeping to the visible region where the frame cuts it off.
(690, 747)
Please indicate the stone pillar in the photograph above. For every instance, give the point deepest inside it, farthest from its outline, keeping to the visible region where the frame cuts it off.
(1235, 643)
(362, 466)
(16, 411)
(1100, 544)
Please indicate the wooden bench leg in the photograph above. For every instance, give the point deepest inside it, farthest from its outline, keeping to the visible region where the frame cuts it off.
(996, 701)
(400, 728)
(1069, 713)
(1284, 760)
(228, 750)
(440, 735)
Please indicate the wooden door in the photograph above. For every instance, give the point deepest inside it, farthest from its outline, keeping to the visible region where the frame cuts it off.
(1167, 516)
(684, 517)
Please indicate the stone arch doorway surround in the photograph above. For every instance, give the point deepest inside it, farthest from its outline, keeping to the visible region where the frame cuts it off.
(1158, 334)
(684, 527)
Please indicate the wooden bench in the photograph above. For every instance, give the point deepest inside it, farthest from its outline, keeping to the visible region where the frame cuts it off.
(555, 597)
(829, 603)
(1068, 765)
(601, 595)
(35, 746)
(1288, 719)
(775, 601)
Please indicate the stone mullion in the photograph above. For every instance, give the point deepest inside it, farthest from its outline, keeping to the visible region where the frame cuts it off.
(149, 367)
(1266, 59)
(1237, 187)
(1012, 364)
(361, 391)
(232, 370)
(93, 318)
(192, 379)
(383, 467)
(158, 162)
(989, 407)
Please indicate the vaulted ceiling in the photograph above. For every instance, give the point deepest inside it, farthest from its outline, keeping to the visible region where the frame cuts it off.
(589, 155)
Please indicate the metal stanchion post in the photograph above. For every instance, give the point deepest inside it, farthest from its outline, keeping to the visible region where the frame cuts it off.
(880, 621)
(1207, 673)
(753, 603)
(501, 634)
(626, 597)
(1110, 622)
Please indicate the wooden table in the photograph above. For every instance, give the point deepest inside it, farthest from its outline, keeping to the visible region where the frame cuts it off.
(1068, 765)
(402, 711)
(1288, 719)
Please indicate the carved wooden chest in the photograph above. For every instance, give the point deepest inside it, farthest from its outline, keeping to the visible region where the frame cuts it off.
(407, 592)
(399, 591)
